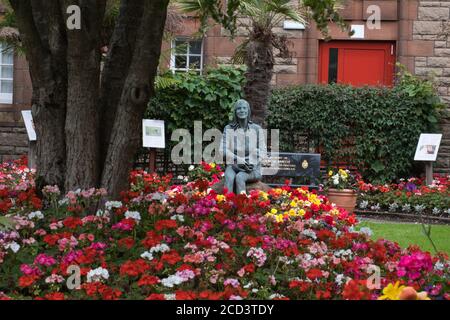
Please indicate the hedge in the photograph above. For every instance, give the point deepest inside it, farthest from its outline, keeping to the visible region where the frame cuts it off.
(377, 129)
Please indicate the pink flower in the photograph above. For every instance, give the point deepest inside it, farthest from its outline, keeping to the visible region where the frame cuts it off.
(44, 260)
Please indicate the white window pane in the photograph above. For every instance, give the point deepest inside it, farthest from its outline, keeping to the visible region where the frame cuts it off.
(6, 72)
(6, 86)
(7, 57)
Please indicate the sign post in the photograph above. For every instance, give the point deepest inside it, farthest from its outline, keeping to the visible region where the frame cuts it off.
(427, 150)
(153, 137)
(29, 125)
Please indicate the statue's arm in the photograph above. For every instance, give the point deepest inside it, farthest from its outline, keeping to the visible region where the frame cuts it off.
(228, 151)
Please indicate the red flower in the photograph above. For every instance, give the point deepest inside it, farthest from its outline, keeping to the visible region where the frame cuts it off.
(314, 273)
(185, 295)
(72, 222)
(356, 290)
(147, 280)
(55, 296)
(165, 224)
(26, 281)
(126, 242)
(171, 257)
(152, 239)
(134, 268)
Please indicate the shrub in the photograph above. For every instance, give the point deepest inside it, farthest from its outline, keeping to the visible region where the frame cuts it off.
(207, 98)
(376, 129)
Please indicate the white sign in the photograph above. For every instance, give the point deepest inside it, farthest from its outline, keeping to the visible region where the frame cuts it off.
(153, 134)
(29, 125)
(293, 25)
(428, 146)
(358, 30)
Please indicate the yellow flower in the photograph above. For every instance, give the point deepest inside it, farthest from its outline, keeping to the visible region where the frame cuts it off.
(292, 213)
(279, 218)
(220, 198)
(334, 212)
(330, 173)
(301, 212)
(392, 292)
(273, 211)
(212, 165)
(264, 195)
(293, 204)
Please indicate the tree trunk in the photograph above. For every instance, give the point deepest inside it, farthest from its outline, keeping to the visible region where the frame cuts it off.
(43, 39)
(137, 89)
(82, 119)
(116, 67)
(259, 61)
(70, 107)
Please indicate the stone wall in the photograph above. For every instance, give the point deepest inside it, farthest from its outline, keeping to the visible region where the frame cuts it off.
(432, 26)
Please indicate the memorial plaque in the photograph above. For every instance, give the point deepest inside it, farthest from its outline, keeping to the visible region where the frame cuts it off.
(294, 165)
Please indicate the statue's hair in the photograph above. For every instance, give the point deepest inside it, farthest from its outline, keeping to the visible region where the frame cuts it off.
(235, 123)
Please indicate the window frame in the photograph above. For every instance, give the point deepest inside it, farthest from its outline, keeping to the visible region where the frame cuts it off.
(6, 98)
(188, 54)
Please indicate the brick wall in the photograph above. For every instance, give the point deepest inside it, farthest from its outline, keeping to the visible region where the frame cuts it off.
(432, 29)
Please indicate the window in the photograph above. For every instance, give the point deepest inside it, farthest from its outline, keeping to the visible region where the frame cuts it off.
(6, 75)
(187, 55)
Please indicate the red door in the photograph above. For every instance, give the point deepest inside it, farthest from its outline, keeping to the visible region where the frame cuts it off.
(357, 63)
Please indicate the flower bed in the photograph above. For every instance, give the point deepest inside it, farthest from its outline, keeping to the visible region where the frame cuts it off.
(177, 242)
(410, 196)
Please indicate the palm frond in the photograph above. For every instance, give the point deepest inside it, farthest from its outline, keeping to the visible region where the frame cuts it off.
(240, 53)
(165, 81)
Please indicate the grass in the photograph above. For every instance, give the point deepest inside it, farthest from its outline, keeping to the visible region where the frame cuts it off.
(407, 234)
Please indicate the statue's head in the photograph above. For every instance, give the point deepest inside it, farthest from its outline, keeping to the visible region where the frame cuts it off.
(241, 111)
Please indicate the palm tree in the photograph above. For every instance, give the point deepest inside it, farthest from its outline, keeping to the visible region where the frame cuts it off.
(257, 50)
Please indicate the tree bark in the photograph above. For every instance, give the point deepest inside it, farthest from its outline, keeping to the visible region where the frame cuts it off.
(82, 119)
(42, 35)
(116, 68)
(259, 61)
(137, 89)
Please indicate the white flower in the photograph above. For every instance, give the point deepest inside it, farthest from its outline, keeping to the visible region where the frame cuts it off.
(147, 255)
(439, 266)
(233, 297)
(170, 296)
(113, 204)
(375, 207)
(309, 233)
(36, 214)
(178, 217)
(419, 208)
(436, 211)
(97, 275)
(276, 295)
(393, 207)
(160, 248)
(14, 246)
(406, 208)
(367, 231)
(133, 215)
(172, 281)
(363, 204)
(191, 167)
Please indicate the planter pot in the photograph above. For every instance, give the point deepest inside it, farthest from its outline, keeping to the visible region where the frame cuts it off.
(345, 198)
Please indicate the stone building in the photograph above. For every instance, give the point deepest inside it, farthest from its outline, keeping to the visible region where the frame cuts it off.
(415, 33)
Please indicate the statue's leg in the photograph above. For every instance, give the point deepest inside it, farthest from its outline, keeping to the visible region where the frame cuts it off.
(241, 179)
(229, 175)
